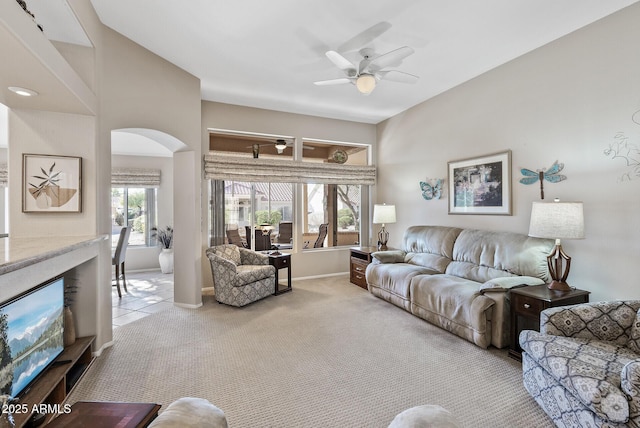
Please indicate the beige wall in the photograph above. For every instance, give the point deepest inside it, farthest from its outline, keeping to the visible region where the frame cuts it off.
(565, 102)
(141, 90)
(238, 118)
(49, 133)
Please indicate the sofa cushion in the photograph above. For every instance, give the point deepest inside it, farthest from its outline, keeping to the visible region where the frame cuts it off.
(481, 255)
(589, 369)
(251, 273)
(394, 277)
(454, 304)
(436, 241)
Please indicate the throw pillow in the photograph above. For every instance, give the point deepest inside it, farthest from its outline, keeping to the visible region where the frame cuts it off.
(425, 416)
(634, 336)
(190, 412)
(507, 282)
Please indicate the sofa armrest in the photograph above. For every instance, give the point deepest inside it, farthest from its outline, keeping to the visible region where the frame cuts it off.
(248, 257)
(608, 321)
(630, 385)
(390, 256)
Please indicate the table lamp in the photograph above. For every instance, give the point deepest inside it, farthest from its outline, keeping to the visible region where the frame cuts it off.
(383, 214)
(557, 220)
(266, 230)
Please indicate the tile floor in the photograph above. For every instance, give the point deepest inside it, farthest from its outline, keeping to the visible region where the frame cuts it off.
(148, 293)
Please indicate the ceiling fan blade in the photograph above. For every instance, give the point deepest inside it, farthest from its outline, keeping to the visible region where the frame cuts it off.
(390, 58)
(365, 37)
(397, 76)
(341, 62)
(338, 81)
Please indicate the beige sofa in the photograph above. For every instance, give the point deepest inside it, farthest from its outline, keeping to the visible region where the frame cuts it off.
(459, 279)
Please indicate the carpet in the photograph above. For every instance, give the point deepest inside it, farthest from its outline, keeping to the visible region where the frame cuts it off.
(328, 354)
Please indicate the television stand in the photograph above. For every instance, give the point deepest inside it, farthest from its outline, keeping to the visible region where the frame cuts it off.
(55, 383)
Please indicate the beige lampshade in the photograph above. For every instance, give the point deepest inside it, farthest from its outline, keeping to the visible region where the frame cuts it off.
(384, 214)
(557, 220)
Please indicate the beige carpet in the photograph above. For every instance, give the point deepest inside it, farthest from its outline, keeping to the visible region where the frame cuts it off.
(328, 354)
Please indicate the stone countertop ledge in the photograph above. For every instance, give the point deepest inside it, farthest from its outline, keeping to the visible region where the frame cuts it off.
(17, 253)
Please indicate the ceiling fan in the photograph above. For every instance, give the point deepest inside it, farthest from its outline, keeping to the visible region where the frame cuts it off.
(280, 144)
(370, 70)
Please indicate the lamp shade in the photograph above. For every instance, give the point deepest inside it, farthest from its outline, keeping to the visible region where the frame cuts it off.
(384, 214)
(557, 220)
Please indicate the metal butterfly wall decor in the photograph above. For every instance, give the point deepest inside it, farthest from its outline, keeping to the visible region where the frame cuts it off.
(431, 189)
(551, 175)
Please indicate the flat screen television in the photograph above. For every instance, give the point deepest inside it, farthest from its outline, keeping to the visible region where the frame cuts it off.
(31, 335)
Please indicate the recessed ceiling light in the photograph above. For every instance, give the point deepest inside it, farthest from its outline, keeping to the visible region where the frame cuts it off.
(23, 91)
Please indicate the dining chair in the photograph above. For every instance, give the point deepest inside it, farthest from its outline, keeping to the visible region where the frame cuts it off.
(233, 236)
(118, 258)
(322, 234)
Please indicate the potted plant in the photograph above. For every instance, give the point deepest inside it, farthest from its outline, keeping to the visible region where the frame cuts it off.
(164, 238)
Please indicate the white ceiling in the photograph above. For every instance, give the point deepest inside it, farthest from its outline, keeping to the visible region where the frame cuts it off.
(267, 54)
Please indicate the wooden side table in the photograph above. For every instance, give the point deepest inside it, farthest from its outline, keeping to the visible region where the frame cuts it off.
(528, 302)
(360, 259)
(281, 261)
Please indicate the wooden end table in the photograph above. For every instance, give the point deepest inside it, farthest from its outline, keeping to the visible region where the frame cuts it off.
(358, 262)
(281, 261)
(106, 414)
(528, 302)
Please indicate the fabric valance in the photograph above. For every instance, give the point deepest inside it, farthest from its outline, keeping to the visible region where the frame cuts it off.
(4, 175)
(135, 177)
(237, 168)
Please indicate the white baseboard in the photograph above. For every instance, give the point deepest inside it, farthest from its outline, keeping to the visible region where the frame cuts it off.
(102, 348)
(187, 306)
(320, 276)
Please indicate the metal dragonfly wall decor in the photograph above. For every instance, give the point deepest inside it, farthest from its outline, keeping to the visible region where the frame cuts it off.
(551, 175)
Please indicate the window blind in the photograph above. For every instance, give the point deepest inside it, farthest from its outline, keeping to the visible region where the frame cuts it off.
(238, 168)
(135, 177)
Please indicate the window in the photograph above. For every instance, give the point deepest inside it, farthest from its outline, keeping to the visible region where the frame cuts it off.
(272, 204)
(330, 178)
(337, 206)
(135, 207)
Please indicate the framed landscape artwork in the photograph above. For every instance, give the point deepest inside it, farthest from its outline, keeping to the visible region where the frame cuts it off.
(481, 185)
(51, 184)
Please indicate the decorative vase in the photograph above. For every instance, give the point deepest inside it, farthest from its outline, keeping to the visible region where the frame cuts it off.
(166, 260)
(69, 327)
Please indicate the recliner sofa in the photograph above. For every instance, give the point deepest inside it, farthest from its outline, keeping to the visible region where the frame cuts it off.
(459, 279)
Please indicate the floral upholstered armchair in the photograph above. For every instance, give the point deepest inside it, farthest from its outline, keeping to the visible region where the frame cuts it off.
(240, 276)
(583, 367)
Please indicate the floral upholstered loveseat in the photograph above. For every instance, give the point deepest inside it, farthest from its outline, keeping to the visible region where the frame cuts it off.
(583, 367)
(240, 276)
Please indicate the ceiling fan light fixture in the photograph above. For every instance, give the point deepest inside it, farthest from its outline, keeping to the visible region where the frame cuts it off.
(281, 145)
(366, 83)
